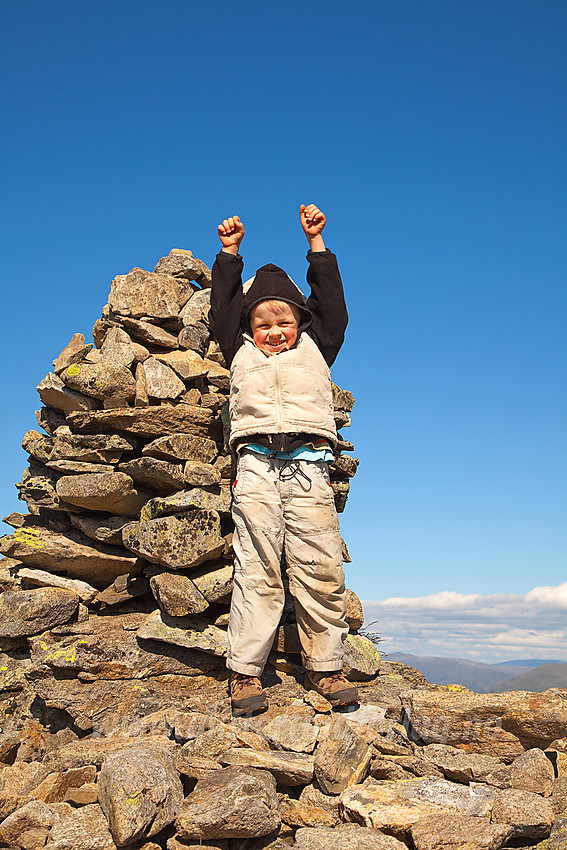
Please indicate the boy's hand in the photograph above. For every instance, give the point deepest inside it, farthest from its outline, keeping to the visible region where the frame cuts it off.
(313, 221)
(231, 234)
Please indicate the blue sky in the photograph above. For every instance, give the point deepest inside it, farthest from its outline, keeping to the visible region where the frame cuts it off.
(434, 136)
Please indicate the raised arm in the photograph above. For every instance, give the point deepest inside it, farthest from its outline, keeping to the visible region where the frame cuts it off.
(226, 295)
(326, 301)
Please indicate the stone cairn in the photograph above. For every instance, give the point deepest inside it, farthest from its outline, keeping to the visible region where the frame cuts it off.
(114, 597)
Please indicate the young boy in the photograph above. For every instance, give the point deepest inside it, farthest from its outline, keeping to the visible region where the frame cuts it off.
(279, 348)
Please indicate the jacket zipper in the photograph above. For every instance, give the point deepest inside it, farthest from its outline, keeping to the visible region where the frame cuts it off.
(278, 394)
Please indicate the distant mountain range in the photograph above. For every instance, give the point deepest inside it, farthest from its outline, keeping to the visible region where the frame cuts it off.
(528, 674)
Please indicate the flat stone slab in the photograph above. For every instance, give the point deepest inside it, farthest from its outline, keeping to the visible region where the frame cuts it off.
(237, 802)
(182, 447)
(177, 541)
(395, 806)
(149, 333)
(42, 578)
(186, 364)
(53, 393)
(346, 837)
(192, 632)
(501, 725)
(160, 475)
(69, 553)
(81, 828)
(92, 448)
(29, 612)
(287, 768)
(185, 500)
(103, 491)
(450, 832)
(149, 421)
(214, 580)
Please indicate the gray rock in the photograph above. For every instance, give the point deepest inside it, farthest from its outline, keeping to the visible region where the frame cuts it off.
(182, 264)
(287, 768)
(17, 782)
(29, 612)
(148, 422)
(103, 530)
(342, 757)
(68, 553)
(53, 393)
(471, 800)
(288, 732)
(198, 474)
(142, 293)
(32, 816)
(459, 765)
(161, 381)
(101, 381)
(557, 837)
(139, 792)
(41, 578)
(349, 837)
(532, 771)
(149, 333)
(185, 500)
(187, 364)
(49, 419)
(192, 632)
(354, 614)
(74, 351)
(217, 375)
(500, 725)
(37, 445)
(108, 491)
(96, 448)
(178, 541)
(214, 580)
(83, 829)
(438, 832)
(529, 815)
(195, 337)
(232, 803)
(182, 447)
(177, 595)
(118, 348)
(78, 467)
(361, 659)
(160, 475)
(211, 743)
(38, 488)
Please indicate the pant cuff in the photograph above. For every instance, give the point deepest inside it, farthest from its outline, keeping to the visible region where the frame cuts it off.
(245, 669)
(332, 665)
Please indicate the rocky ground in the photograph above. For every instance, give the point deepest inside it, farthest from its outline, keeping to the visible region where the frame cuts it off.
(116, 728)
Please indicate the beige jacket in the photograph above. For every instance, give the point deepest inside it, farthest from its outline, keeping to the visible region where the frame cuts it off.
(286, 393)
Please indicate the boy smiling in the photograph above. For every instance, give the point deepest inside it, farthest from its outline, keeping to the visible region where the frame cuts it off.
(279, 348)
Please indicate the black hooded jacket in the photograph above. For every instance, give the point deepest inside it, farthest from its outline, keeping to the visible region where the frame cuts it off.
(324, 314)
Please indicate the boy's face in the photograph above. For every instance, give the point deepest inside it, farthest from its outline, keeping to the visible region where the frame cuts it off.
(274, 326)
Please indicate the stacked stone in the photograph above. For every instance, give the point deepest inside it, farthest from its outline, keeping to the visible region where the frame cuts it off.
(128, 489)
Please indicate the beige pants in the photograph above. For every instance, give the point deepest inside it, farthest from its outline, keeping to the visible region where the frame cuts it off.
(282, 506)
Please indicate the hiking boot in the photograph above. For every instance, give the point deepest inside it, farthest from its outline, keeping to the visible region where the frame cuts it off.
(246, 695)
(333, 686)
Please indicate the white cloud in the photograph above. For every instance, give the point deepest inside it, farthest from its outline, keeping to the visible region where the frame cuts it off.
(496, 627)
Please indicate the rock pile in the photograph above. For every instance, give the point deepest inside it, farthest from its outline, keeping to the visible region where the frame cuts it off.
(116, 728)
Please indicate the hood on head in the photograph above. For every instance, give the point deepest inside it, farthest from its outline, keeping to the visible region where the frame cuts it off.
(270, 283)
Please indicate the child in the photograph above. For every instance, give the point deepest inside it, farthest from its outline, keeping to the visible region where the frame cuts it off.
(279, 348)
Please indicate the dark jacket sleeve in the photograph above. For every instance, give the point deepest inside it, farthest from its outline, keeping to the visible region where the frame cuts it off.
(226, 303)
(327, 303)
